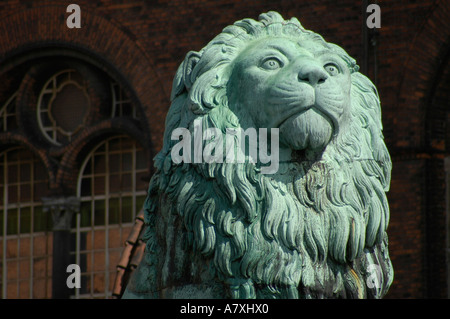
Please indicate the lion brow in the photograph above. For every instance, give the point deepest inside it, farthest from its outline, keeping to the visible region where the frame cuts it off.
(322, 52)
(282, 49)
(278, 48)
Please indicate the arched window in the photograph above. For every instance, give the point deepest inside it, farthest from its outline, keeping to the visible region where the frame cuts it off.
(55, 102)
(112, 188)
(26, 239)
(121, 103)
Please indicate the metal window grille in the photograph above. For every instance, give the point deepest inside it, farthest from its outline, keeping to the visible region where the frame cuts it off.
(121, 103)
(112, 191)
(62, 106)
(26, 254)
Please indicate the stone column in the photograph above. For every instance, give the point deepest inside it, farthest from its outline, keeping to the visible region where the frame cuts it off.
(62, 209)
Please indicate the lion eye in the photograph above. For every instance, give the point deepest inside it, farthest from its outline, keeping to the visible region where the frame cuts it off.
(271, 64)
(331, 68)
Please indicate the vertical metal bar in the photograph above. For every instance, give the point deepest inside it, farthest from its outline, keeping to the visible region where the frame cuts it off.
(133, 180)
(31, 226)
(77, 247)
(18, 227)
(106, 283)
(47, 260)
(5, 220)
(91, 252)
(447, 217)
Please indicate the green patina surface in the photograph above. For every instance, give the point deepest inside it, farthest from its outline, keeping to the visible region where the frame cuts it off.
(314, 229)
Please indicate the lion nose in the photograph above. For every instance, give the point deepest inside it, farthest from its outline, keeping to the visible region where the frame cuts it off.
(313, 74)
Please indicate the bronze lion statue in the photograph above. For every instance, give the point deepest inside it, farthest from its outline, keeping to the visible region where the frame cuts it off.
(313, 228)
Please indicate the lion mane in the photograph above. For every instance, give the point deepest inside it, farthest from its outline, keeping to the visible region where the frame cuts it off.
(316, 229)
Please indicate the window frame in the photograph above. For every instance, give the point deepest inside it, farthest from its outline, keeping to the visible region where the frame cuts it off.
(123, 228)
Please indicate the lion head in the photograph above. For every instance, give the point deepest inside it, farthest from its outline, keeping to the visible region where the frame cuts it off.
(317, 226)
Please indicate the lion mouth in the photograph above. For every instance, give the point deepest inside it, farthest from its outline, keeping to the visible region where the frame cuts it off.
(318, 109)
(293, 113)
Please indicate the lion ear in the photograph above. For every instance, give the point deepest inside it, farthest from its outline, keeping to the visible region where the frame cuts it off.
(189, 63)
(184, 78)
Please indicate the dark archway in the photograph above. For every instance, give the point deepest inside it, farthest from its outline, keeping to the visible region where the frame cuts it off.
(424, 96)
